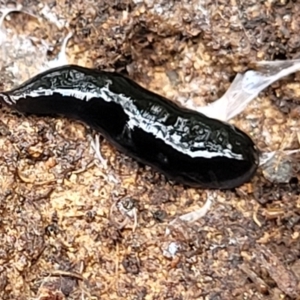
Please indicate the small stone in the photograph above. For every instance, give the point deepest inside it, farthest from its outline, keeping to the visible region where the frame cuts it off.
(278, 169)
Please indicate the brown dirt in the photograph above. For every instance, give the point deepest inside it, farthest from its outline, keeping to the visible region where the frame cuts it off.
(65, 230)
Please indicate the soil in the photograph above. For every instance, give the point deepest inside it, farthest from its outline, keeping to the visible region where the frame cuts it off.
(72, 229)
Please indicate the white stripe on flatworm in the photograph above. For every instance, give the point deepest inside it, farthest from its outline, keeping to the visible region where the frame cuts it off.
(6, 99)
(136, 119)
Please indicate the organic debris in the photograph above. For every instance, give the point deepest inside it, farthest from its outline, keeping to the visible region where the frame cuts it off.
(75, 228)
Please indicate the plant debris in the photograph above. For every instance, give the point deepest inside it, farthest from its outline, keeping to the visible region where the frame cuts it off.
(75, 228)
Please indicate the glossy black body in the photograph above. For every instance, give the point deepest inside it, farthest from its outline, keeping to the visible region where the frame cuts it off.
(185, 145)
